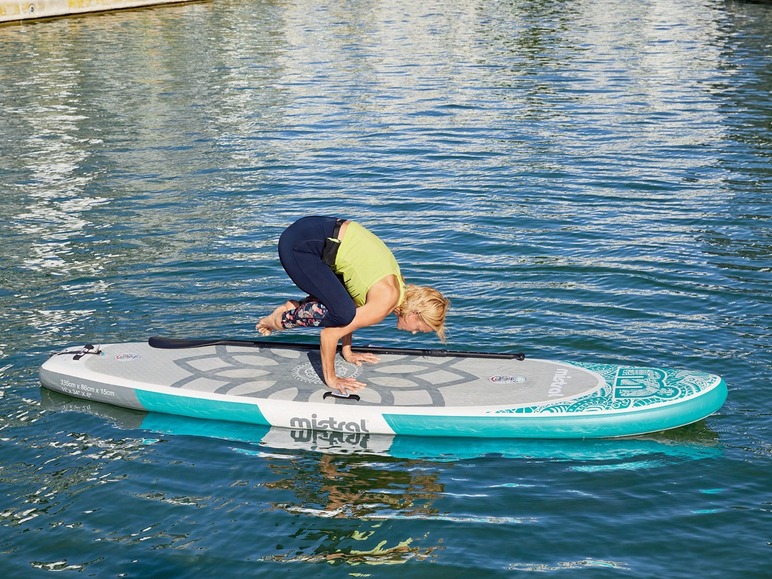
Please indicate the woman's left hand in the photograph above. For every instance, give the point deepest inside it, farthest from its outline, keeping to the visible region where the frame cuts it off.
(357, 358)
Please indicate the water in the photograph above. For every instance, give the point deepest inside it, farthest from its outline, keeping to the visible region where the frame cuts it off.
(585, 180)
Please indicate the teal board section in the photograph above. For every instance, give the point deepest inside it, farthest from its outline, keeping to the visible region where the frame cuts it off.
(548, 425)
(202, 408)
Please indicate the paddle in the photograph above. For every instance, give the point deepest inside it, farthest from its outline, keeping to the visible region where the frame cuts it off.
(173, 343)
(179, 344)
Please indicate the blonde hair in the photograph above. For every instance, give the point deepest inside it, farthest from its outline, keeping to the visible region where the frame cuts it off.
(428, 303)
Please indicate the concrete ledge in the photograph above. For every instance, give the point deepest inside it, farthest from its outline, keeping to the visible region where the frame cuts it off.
(17, 10)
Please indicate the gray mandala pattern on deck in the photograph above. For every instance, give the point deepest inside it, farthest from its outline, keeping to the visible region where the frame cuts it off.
(278, 371)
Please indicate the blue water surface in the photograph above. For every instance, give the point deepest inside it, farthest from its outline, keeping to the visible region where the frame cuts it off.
(585, 180)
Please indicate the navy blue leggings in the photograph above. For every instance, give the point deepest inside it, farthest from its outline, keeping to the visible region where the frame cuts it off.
(300, 252)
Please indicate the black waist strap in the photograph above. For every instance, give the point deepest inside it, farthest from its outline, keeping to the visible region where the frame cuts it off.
(331, 244)
(336, 230)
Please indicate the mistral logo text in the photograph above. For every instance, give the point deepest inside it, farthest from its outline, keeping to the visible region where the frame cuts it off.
(328, 424)
(559, 380)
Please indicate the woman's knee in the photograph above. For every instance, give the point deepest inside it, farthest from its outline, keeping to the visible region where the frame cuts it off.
(342, 315)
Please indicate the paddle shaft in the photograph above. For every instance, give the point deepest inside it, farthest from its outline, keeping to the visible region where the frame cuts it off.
(172, 343)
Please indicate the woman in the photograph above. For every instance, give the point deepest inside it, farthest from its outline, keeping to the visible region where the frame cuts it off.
(353, 281)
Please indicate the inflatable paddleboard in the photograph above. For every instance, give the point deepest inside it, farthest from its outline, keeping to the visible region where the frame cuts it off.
(409, 392)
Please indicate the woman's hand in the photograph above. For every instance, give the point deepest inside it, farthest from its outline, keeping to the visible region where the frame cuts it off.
(357, 358)
(345, 385)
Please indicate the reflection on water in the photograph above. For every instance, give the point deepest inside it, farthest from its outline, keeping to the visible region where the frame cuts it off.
(335, 486)
(52, 156)
(388, 492)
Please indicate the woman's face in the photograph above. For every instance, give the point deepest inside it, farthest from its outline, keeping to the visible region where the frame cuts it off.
(413, 323)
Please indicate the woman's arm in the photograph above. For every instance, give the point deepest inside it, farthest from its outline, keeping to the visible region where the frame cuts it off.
(328, 346)
(381, 300)
(356, 357)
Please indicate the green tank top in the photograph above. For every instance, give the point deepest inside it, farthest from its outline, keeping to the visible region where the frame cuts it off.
(363, 260)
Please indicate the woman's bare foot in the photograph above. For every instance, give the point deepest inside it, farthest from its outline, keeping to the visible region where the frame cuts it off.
(272, 323)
